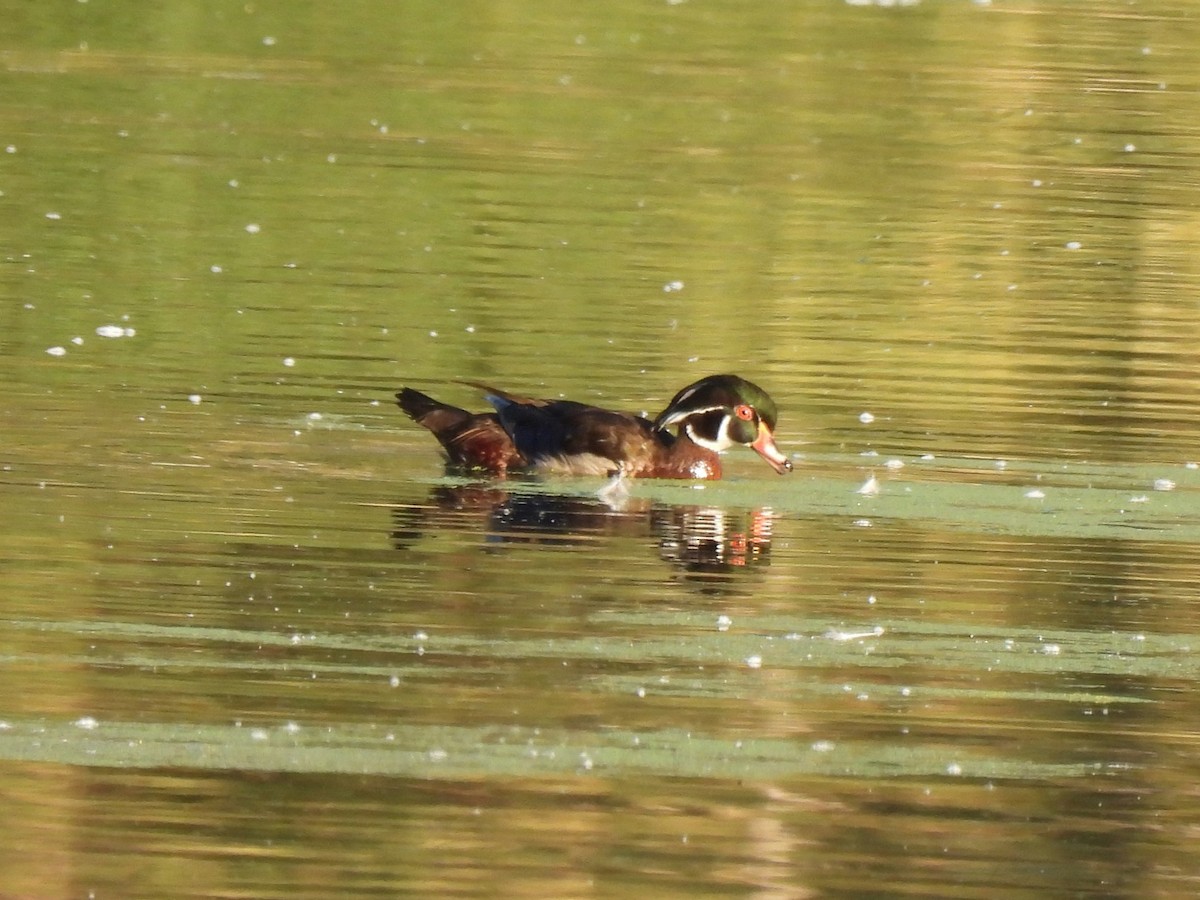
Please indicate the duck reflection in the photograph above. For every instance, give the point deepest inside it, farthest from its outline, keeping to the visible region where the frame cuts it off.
(705, 538)
(699, 540)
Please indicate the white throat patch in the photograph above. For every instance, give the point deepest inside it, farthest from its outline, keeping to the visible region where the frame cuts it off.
(722, 443)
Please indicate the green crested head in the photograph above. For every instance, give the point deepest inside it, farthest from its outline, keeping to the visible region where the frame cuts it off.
(722, 410)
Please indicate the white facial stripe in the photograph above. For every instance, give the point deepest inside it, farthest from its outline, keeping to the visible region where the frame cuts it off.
(672, 419)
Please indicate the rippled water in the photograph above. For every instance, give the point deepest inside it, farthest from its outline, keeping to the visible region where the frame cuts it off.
(255, 642)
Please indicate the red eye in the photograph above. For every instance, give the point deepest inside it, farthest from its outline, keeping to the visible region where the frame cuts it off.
(744, 412)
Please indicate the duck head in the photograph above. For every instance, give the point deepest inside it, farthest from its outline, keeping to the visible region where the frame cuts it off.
(722, 410)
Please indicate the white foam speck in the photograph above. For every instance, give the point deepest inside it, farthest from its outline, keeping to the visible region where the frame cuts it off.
(1036, 494)
(870, 487)
(110, 331)
(1164, 484)
(253, 228)
(194, 398)
(835, 635)
(87, 723)
(57, 351)
(754, 662)
(866, 418)
(289, 361)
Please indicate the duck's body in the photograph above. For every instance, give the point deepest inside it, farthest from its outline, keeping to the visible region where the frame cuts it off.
(569, 438)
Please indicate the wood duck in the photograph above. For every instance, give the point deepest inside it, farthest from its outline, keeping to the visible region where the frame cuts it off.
(569, 438)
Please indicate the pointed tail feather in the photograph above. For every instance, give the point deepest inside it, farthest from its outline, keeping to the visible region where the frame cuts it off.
(433, 414)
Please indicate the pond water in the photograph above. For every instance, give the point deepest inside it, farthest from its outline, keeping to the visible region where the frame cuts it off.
(256, 642)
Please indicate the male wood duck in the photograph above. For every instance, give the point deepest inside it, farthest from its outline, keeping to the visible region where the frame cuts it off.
(568, 438)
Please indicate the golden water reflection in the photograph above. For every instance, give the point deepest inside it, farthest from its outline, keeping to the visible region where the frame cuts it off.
(254, 643)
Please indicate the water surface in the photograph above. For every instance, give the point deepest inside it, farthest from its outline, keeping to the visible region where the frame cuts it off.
(255, 641)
